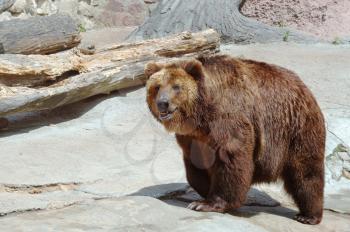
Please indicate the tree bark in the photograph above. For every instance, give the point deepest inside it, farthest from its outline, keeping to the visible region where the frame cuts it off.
(39, 35)
(36, 70)
(109, 69)
(174, 16)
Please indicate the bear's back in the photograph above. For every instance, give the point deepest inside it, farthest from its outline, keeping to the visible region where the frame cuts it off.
(276, 101)
(269, 90)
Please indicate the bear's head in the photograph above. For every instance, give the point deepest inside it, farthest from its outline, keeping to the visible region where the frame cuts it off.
(172, 92)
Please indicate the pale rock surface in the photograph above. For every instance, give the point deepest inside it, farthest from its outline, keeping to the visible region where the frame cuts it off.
(18, 7)
(4, 16)
(339, 162)
(47, 7)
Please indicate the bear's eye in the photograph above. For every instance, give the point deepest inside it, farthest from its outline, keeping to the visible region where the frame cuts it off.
(176, 88)
(157, 88)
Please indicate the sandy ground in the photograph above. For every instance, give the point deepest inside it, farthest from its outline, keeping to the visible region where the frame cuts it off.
(328, 19)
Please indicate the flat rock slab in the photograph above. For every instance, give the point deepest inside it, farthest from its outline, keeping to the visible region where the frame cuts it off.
(149, 214)
(98, 163)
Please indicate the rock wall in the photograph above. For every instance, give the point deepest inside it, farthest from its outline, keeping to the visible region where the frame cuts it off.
(89, 13)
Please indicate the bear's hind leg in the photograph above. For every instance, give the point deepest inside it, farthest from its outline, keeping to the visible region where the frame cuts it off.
(304, 170)
(305, 183)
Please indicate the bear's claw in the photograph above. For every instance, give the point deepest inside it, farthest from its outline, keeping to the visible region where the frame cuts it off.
(206, 206)
(307, 220)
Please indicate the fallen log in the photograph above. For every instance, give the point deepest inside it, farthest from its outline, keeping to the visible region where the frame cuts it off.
(36, 70)
(39, 35)
(108, 69)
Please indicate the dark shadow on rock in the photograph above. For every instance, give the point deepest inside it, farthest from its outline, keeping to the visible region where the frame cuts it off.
(250, 211)
(163, 190)
(25, 122)
(180, 195)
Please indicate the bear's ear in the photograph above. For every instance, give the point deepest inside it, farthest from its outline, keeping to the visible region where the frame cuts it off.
(194, 68)
(151, 68)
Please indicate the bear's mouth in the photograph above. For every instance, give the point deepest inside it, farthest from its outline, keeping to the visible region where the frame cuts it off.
(167, 115)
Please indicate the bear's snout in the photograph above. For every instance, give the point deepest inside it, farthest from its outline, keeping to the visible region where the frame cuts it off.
(163, 105)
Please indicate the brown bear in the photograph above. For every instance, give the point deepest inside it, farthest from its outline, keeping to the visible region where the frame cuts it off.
(241, 122)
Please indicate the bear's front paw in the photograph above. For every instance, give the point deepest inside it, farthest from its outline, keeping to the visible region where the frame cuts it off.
(307, 220)
(208, 206)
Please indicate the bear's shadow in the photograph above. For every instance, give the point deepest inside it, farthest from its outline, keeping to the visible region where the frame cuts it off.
(180, 195)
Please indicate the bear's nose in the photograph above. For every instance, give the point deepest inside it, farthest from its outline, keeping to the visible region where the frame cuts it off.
(163, 105)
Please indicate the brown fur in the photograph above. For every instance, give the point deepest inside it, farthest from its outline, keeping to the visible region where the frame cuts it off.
(241, 122)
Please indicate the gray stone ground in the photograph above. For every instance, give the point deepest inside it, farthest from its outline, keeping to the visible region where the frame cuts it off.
(105, 165)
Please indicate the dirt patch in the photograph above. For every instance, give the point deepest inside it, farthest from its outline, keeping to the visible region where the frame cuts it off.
(327, 19)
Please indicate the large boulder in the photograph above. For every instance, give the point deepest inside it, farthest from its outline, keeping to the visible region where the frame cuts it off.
(174, 16)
